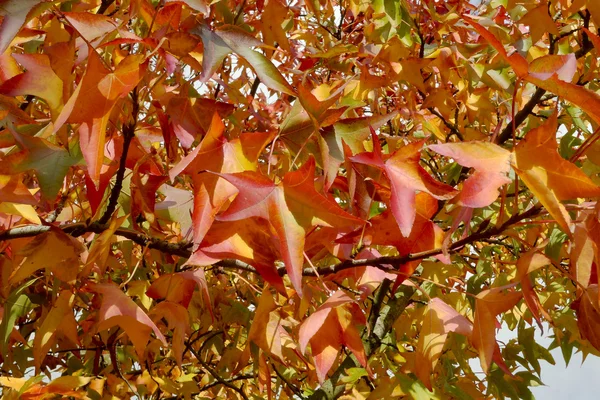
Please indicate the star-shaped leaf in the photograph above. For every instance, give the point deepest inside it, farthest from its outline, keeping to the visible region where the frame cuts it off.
(334, 324)
(49, 162)
(550, 177)
(292, 207)
(217, 154)
(407, 178)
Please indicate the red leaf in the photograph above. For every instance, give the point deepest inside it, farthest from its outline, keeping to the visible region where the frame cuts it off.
(291, 207)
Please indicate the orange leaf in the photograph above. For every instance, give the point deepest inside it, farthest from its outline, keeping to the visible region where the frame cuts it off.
(291, 207)
(588, 315)
(178, 320)
(15, 13)
(59, 320)
(39, 80)
(55, 251)
(529, 262)
(334, 324)
(550, 177)
(119, 309)
(488, 305)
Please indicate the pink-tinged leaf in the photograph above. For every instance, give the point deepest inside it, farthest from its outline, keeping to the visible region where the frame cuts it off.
(15, 14)
(216, 154)
(440, 319)
(119, 309)
(250, 241)
(90, 26)
(528, 263)
(178, 320)
(291, 207)
(334, 324)
(38, 80)
(564, 67)
(407, 177)
(185, 120)
(491, 163)
(488, 305)
(315, 321)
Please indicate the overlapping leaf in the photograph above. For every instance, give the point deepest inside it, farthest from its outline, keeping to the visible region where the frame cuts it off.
(334, 324)
(292, 207)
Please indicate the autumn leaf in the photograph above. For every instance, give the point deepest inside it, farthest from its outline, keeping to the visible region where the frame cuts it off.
(14, 13)
(178, 320)
(588, 100)
(252, 241)
(216, 154)
(107, 87)
(333, 325)
(50, 163)
(118, 309)
(59, 321)
(38, 79)
(550, 177)
(55, 251)
(528, 263)
(292, 207)
(179, 287)
(90, 26)
(440, 319)
(220, 43)
(488, 305)
(267, 330)
(491, 164)
(588, 315)
(13, 190)
(407, 177)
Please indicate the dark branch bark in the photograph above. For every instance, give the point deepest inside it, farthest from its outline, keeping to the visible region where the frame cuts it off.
(104, 6)
(522, 115)
(182, 249)
(128, 135)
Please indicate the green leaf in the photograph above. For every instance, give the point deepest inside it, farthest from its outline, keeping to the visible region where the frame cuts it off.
(17, 304)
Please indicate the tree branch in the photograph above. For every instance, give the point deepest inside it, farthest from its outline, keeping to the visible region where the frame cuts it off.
(128, 135)
(215, 374)
(522, 115)
(182, 249)
(104, 6)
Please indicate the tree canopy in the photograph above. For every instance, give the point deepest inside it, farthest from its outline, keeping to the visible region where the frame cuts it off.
(304, 199)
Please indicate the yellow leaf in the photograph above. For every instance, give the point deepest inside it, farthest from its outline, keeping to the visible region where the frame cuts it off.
(53, 250)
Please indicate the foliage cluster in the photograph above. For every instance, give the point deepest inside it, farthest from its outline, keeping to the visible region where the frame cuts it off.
(296, 198)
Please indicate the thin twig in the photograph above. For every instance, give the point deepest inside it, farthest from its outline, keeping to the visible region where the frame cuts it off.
(216, 375)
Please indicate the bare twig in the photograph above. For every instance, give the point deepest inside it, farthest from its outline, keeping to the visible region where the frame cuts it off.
(215, 374)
